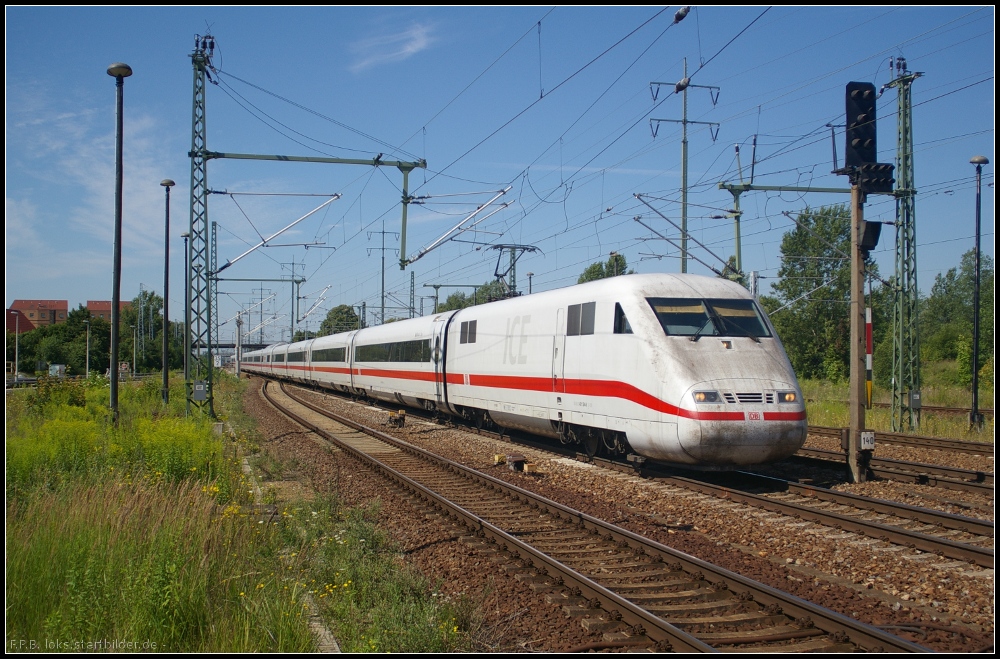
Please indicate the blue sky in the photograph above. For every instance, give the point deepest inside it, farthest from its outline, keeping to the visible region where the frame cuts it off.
(553, 102)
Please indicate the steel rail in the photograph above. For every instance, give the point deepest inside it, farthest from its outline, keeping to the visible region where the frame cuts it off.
(831, 622)
(926, 408)
(656, 628)
(932, 544)
(915, 472)
(921, 441)
(925, 542)
(926, 515)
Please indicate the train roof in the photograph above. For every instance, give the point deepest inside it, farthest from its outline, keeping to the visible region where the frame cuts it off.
(646, 285)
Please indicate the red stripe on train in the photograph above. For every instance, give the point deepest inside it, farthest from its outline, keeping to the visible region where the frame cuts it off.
(598, 388)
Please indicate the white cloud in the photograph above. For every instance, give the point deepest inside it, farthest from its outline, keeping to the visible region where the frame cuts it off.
(386, 48)
(60, 202)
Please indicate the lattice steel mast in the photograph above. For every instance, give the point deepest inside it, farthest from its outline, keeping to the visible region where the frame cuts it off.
(199, 383)
(213, 284)
(201, 290)
(905, 337)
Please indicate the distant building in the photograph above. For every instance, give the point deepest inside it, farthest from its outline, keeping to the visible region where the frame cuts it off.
(39, 313)
(102, 308)
(18, 322)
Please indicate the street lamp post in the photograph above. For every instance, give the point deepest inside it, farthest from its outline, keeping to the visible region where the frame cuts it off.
(17, 333)
(133, 351)
(975, 417)
(167, 184)
(187, 321)
(119, 71)
(87, 370)
(614, 263)
(530, 275)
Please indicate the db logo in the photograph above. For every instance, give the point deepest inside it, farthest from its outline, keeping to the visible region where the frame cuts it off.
(753, 416)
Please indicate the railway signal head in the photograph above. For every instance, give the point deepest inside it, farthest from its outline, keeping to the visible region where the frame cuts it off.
(876, 177)
(861, 146)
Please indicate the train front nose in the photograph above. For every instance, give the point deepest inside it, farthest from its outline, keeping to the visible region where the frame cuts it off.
(742, 422)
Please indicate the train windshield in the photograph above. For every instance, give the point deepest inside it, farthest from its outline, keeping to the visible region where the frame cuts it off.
(697, 318)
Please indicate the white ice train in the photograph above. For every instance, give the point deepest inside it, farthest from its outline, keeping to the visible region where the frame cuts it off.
(674, 368)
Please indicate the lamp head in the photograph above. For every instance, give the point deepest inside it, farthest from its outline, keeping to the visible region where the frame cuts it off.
(980, 160)
(119, 70)
(167, 183)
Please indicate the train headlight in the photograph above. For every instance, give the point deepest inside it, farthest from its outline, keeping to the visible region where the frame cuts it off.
(707, 397)
(787, 397)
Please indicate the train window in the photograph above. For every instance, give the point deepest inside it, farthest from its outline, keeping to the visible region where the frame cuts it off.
(279, 357)
(739, 317)
(587, 318)
(573, 320)
(580, 319)
(621, 322)
(330, 355)
(401, 351)
(297, 356)
(696, 318)
(468, 333)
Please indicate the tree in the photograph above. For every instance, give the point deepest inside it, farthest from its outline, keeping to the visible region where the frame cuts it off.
(339, 319)
(946, 315)
(810, 305)
(147, 348)
(64, 343)
(616, 265)
(488, 292)
(302, 335)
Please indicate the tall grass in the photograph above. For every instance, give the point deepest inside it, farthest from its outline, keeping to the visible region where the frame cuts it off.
(142, 533)
(148, 563)
(372, 600)
(137, 531)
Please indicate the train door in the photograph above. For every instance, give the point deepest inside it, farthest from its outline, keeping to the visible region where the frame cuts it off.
(438, 345)
(350, 357)
(559, 353)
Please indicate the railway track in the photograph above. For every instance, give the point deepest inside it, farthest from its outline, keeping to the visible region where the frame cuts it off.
(639, 593)
(932, 408)
(967, 480)
(918, 441)
(956, 537)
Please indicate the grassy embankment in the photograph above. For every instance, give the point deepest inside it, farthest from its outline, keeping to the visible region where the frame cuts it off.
(144, 534)
(826, 406)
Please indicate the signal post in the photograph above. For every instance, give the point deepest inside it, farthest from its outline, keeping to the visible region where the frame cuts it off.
(867, 175)
(860, 444)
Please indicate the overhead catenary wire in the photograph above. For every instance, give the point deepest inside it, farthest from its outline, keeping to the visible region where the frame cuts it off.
(580, 218)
